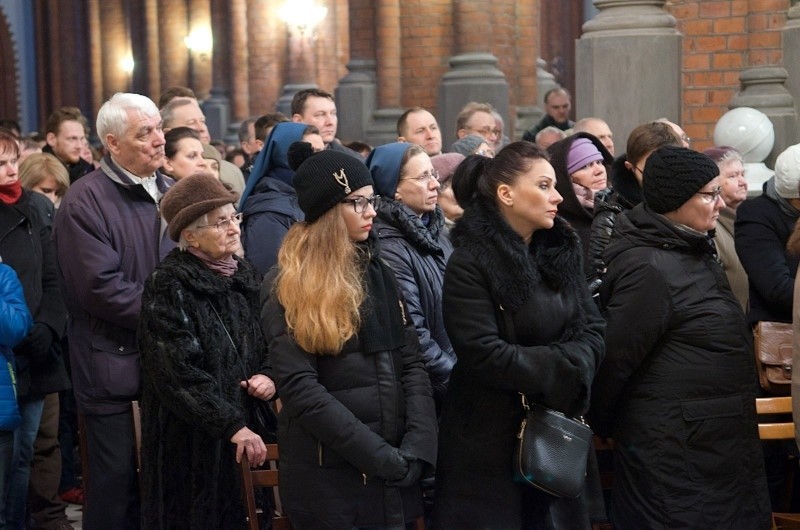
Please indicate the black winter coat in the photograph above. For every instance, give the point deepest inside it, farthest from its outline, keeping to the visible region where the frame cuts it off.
(342, 418)
(26, 246)
(623, 194)
(677, 388)
(571, 209)
(491, 274)
(192, 403)
(418, 254)
(761, 230)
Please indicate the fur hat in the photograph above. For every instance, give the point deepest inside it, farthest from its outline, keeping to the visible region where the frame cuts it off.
(446, 164)
(673, 174)
(192, 197)
(323, 179)
(787, 173)
(467, 145)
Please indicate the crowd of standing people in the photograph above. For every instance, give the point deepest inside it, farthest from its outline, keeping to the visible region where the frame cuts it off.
(378, 312)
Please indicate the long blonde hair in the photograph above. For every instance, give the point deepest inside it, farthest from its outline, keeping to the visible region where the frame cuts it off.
(320, 284)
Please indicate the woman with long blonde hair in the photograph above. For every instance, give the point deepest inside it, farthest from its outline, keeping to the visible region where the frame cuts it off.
(358, 426)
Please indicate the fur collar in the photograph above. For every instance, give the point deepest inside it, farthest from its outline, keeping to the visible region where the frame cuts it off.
(191, 272)
(554, 256)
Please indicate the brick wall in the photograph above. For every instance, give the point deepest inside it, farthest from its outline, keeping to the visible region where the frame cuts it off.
(721, 38)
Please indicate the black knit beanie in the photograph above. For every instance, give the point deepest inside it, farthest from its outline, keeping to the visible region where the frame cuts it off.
(323, 179)
(672, 175)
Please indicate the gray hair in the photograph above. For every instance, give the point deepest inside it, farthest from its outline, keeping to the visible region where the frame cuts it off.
(168, 112)
(550, 130)
(112, 118)
(200, 221)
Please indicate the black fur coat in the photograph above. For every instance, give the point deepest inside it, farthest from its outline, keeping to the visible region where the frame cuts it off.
(192, 403)
(521, 320)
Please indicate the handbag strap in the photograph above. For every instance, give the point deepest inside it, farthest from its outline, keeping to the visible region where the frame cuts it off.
(233, 344)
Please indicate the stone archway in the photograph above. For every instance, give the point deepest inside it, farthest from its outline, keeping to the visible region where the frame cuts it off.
(9, 98)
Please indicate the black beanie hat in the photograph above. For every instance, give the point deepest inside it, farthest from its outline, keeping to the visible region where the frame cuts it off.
(672, 175)
(323, 179)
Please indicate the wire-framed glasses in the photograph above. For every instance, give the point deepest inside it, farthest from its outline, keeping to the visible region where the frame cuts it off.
(225, 224)
(711, 196)
(360, 203)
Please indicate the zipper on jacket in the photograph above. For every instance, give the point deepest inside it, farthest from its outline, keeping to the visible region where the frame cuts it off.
(319, 453)
(402, 312)
(365, 478)
(522, 429)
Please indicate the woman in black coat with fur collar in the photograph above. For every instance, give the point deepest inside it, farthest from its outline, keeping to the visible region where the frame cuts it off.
(516, 272)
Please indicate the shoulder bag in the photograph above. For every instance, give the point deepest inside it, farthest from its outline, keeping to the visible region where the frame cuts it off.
(773, 351)
(551, 451)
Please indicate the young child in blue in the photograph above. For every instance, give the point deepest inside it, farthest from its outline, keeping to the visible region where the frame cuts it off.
(15, 322)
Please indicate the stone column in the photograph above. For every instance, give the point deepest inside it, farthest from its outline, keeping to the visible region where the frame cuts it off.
(630, 43)
(764, 89)
(217, 108)
(791, 59)
(356, 94)
(473, 74)
(528, 116)
(383, 127)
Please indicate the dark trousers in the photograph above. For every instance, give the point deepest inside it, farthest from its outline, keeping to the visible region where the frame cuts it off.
(45, 506)
(111, 485)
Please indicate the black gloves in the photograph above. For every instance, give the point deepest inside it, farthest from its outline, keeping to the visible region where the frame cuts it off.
(412, 476)
(395, 468)
(36, 346)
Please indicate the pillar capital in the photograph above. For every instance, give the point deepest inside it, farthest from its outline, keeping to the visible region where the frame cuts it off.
(621, 17)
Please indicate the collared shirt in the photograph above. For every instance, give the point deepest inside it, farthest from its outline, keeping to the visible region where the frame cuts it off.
(149, 183)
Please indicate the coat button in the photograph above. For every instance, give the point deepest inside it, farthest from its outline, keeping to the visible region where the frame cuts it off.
(122, 348)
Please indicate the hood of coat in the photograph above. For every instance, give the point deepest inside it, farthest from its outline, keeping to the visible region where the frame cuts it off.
(559, 152)
(641, 227)
(272, 195)
(624, 183)
(553, 256)
(395, 219)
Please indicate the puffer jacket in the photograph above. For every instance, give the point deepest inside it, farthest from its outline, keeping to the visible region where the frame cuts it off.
(623, 194)
(15, 322)
(676, 390)
(417, 249)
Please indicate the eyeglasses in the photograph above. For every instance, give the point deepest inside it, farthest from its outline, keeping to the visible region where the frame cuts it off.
(225, 224)
(711, 196)
(488, 131)
(686, 138)
(360, 203)
(425, 177)
(485, 152)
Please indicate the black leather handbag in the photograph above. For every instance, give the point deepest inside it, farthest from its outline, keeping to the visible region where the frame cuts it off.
(551, 451)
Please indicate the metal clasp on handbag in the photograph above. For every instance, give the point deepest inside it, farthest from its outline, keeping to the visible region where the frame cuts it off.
(527, 407)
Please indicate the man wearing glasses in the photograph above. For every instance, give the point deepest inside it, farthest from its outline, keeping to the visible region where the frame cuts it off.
(477, 118)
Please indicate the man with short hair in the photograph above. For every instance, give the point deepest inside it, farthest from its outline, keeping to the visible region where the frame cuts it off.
(65, 134)
(316, 107)
(477, 118)
(557, 105)
(418, 126)
(109, 237)
(186, 112)
(548, 136)
(597, 128)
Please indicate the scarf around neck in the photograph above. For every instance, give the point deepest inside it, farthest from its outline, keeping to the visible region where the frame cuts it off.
(11, 192)
(226, 266)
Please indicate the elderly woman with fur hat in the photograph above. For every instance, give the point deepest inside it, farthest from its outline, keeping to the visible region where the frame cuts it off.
(676, 390)
(203, 364)
(358, 427)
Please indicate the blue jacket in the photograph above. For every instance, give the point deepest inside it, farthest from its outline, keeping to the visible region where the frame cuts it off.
(15, 322)
(269, 202)
(109, 237)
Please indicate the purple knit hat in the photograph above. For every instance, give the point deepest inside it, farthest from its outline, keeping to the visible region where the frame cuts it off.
(581, 152)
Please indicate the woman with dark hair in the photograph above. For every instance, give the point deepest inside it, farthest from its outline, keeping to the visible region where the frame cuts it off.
(521, 320)
(676, 390)
(410, 226)
(183, 153)
(358, 427)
